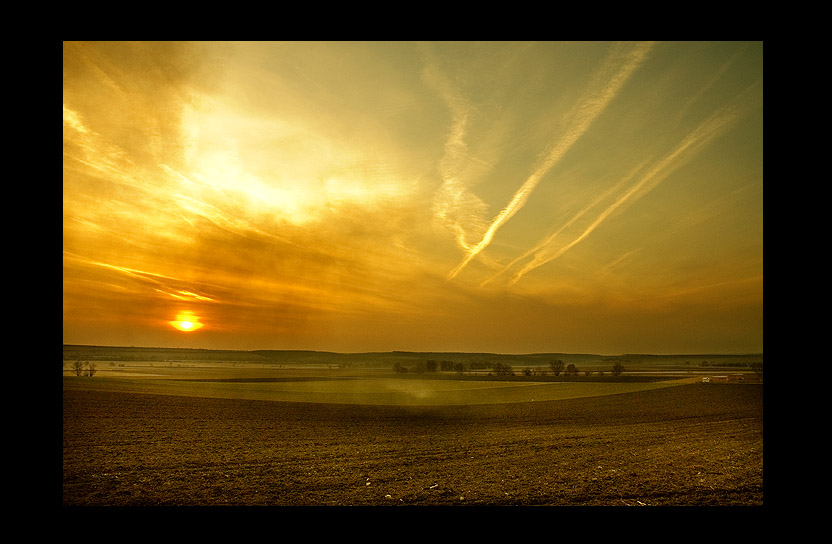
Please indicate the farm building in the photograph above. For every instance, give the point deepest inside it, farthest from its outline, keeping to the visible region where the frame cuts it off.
(726, 378)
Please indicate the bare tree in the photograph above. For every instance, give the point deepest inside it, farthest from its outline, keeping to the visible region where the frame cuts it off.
(556, 366)
(617, 368)
(79, 368)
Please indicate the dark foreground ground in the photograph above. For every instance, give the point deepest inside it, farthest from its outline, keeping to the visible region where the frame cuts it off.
(697, 444)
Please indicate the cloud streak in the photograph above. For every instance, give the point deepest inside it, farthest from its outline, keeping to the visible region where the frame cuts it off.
(551, 247)
(454, 207)
(607, 82)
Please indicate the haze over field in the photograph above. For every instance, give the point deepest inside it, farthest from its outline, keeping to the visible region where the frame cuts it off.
(504, 197)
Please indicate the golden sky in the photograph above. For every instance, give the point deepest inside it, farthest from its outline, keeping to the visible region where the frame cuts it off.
(506, 197)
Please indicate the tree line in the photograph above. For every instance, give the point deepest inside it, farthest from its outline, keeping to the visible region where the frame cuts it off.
(557, 367)
(83, 368)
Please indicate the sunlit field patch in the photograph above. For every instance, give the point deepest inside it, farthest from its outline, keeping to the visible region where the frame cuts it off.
(375, 391)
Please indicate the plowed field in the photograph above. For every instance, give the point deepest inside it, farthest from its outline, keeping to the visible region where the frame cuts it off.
(699, 444)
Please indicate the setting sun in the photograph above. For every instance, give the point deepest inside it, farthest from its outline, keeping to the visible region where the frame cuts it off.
(186, 322)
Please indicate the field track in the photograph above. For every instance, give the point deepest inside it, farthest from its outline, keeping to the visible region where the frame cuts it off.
(699, 444)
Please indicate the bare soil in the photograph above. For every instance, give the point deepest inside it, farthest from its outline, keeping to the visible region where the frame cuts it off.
(699, 444)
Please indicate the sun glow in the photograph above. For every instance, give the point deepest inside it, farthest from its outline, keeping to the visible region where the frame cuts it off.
(186, 322)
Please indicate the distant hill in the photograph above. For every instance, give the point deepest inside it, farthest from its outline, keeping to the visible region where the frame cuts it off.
(120, 353)
(372, 359)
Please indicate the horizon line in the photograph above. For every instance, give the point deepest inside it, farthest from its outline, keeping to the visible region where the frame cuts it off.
(736, 354)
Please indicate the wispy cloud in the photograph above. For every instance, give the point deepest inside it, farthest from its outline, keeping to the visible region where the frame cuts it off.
(159, 283)
(455, 207)
(607, 82)
(552, 246)
(230, 223)
(714, 289)
(551, 238)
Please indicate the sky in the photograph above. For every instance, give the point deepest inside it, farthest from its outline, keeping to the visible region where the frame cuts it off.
(502, 197)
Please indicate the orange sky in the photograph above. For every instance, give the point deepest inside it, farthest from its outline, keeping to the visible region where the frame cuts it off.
(505, 197)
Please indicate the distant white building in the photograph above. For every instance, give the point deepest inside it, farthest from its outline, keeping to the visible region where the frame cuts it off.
(728, 378)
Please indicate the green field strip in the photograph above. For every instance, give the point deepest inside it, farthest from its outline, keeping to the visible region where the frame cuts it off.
(378, 391)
